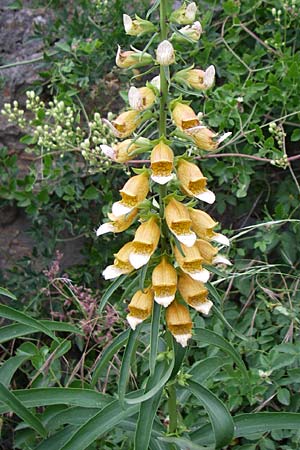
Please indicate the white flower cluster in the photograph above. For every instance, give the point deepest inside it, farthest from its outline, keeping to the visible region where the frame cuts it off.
(14, 114)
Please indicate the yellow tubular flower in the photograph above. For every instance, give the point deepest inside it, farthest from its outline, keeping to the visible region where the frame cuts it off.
(162, 159)
(194, 293)
(203, 226)
(191, 263)
(164, 283)
(179, 322)
(125, 123)
(117, 224)
(192, 32)
(184, 117)
(196, 78)
(137, 26)
(121, 263)
(203, 137)
(193, 183)
(179, 222)
(130, 58)
(120, 152)
(140, 307)
(134, 191)
(140, 98)
(210, 253)
(145, 242)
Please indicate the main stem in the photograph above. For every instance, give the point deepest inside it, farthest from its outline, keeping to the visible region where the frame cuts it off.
(172, 409)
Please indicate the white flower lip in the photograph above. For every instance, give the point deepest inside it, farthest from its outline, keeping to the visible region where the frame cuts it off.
(138, 260)
(190, 11)
(133, 321)
(127, 22)
(200, 275)
(224, 136)
(187, 239)
(182, 339)
(156, 82)
(164, 301)
(209, 76)
(162, 180)
(221, 239)
(105, 228)
(119, 209)
(111, 272)
(204, 307)
(108, 151)
(206, 196)
(220, 259)
(135, 99)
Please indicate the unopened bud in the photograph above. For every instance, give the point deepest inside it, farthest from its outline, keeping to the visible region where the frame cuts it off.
(165, 54)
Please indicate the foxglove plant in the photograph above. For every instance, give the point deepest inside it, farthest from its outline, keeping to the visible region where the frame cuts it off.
(173, 244)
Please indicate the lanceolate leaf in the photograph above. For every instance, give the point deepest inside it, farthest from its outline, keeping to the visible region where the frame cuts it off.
(9, 367)
(126, 363)
(17, 329)
(109, 292)
(6, 293)
(154, 336)
(109, 417)
(57, 440)
(184, 444)
(59, 396)
(17, 316)
(210, 337)
(263, 422)
(108, 354)
(20, 410)
(148, 410)
(219, 415)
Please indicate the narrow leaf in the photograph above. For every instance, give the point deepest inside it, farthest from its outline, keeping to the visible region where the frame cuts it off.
(210, 337)
(126, 363)
(17, 316)
(265, 422)
(9, 367)
(184, 444)
(109, 292)
(219, 415)
(109, 417)
(7, 293)
(154, 336)
(20, 410)
(108, 354)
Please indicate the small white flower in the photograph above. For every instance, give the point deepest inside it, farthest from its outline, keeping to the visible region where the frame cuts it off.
(209, 76)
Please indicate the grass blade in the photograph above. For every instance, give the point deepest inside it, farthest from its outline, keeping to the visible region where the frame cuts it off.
(219, 415)
(21, 411)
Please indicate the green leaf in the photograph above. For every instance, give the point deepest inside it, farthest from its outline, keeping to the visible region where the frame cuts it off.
(108, 354)
(17, 316)
(126, 364)
(109, 292)
(246, 424)
(91, 193)
(219, 415)
(284, 396)
(210, 337)
(33, 398)
(9, 367)
(17, 330)
(20, 410)
(184, 444)
(57, 440)
(154, 336)
(6, 293)
(109, 417)
(148, 410)
(295, 135)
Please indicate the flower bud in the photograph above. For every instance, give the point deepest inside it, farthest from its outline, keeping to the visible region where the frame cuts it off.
(140, 307)
(193, 183)
(137, 26)
(165, 54)
(162, 159)
(164, 283)
(179, 322)
(197, 78)
(194, 293)
(140, 98)
(192, 32)
(185, 15)
(179, 222)
(124, 124)
(134, 191)
(145, 241)
(132, 58)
